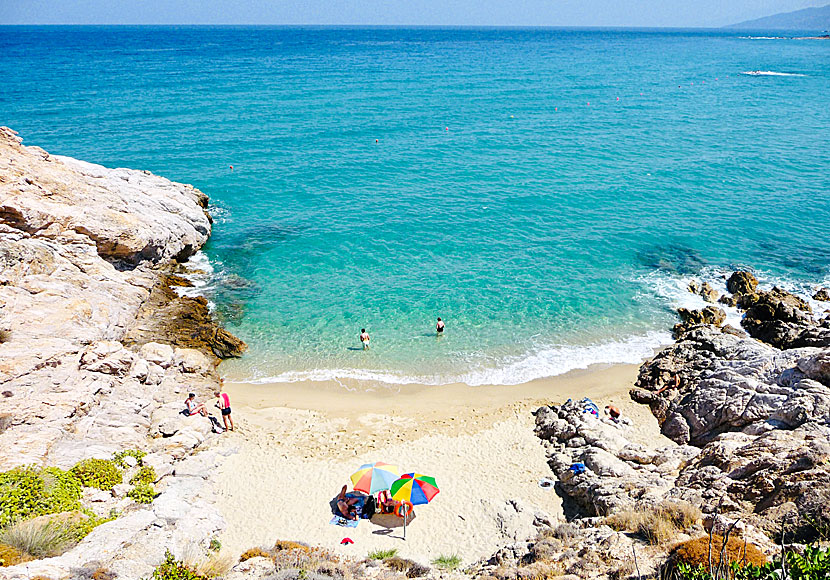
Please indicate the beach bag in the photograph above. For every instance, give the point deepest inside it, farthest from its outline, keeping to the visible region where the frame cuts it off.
(369, 507)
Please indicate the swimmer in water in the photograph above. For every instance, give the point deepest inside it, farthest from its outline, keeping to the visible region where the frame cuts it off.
(439, 328)
(364, 338)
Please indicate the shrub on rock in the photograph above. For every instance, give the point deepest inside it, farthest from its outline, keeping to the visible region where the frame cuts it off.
(695, 553)
(99, 473)
(26, 492)
(146, 475)
(120, 458)
(172, 569)
(142, 493)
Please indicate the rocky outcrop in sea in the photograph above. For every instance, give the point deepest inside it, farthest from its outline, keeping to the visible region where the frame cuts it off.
(98, 352)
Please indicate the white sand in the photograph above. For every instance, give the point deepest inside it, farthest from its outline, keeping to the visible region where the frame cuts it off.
(297, 445)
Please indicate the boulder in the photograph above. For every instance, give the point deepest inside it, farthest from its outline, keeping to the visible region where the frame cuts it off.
(159, 354)
(822, 294)
(708, 315)
(782, 320)
(708, 293)
(817, 366)
(741, 282)
(190, 360)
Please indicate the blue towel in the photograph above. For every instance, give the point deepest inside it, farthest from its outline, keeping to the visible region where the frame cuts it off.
(338, 521)
(578, 468)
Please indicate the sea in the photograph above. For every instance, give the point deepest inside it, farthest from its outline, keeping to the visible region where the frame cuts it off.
(549, 193)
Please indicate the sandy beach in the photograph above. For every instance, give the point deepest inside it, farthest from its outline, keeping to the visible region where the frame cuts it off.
(296, 445)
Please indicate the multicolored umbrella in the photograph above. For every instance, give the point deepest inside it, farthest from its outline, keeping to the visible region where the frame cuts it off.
(414, 488)
(374, 477)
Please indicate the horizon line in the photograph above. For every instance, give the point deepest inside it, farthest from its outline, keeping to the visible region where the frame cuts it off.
(435, 26)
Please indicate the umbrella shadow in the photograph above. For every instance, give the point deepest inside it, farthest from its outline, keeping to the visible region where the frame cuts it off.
(390, 523)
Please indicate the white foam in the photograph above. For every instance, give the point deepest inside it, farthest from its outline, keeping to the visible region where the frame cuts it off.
(674, 291)
(201, 273)
(769, 73)
(540, 363)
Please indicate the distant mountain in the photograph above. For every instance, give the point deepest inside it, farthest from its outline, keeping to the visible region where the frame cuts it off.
(806, 19)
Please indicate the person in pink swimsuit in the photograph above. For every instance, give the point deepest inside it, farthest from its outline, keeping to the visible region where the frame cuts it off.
(224, 405)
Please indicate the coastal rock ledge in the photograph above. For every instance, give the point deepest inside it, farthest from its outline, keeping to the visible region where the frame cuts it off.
(85, 255)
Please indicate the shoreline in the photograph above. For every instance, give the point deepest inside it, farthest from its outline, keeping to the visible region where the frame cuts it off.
(304, 440)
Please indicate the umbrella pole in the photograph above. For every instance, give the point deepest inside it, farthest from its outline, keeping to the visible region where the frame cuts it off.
(405, 514)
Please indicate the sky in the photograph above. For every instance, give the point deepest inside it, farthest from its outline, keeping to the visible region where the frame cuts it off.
(647, 13)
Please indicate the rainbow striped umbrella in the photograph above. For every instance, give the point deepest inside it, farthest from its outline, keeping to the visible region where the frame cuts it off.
(374, 477)
(414, 488)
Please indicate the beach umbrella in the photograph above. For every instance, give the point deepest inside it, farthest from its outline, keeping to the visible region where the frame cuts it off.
(374, 477)
(413, 488)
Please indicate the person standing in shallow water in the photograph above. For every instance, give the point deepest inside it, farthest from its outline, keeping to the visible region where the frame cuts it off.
(364, 338)
(439, 328)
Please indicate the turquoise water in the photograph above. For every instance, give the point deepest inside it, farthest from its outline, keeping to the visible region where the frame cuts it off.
(384, 177)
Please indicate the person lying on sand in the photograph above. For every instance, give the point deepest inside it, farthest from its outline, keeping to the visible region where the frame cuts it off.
(347, 506)
(194, 407)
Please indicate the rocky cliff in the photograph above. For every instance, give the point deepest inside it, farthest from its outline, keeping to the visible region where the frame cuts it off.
(87, 365)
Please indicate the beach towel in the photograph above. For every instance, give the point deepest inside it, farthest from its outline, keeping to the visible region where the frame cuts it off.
(590, 407)
(343, 522)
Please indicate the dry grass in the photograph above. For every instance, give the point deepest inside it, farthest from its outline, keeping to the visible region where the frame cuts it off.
(658, 524)
(696, 552)
(11, 556)
(540, 571)
(254, 553)
(39, 538)
(289, 545)
(207, 564)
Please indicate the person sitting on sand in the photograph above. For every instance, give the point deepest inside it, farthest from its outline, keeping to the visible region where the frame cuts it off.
(347, 504)
(364, 338)
(386, 503)
(224, 406)
(194, 407)
(615, 415)
(439, 328)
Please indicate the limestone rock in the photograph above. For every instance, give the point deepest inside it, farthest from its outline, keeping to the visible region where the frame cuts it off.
(159, 354)
(817, 366)
(190, 360)
(822, 294)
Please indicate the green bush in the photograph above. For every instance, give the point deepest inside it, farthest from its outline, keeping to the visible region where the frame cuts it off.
(172, 569)
(450, 562)
(27, 492)
(145, 474)
(100, 473)
(142, 493)
(382, 554)
(118, 458)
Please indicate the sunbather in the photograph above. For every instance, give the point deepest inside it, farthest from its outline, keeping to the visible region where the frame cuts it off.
(347, 503)
(194, 407)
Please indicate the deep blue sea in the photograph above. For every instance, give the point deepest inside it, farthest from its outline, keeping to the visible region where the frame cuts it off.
(549, 193)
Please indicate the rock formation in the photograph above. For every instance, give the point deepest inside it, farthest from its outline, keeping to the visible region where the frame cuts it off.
(86, 367)
(751, 423)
